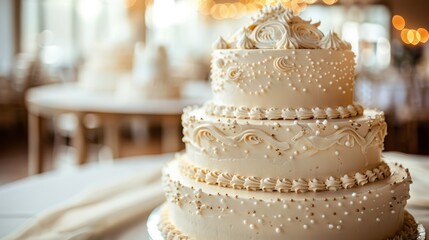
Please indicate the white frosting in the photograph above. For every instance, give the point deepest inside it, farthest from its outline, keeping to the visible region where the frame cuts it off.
(275, 27)
(282, 152)
(306, 34)
(333, 42)
(272, 148)
(267, 34)
(205, 212)
(269, 184)
(283, 78)
(244, 42)
(286, 113)
(220, 44)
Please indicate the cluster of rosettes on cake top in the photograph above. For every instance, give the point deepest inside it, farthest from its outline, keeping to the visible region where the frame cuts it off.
(276, 27)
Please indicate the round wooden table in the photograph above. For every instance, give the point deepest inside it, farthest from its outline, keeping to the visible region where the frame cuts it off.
(50, 100)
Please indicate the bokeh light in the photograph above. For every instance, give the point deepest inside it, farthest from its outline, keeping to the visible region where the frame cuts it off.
(424, 35)
(398, 22)
(330, 2)
(404, 35)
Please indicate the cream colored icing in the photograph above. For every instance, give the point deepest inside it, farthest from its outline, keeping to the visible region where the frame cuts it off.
(275, 27)
(286, 113)
(333, 42)
(282, 148)
(269, 184)
(244, 42)
(272, 148)
(286, 78)
(410, 229)
(287, 42)
(306, 34)
(220, 44)
(210, 211)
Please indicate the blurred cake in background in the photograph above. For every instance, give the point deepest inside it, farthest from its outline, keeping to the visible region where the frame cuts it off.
(151, 76)
(107, 66)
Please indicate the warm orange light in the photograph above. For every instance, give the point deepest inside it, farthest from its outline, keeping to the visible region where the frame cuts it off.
(223, 11)
(416, 38)
(214, 12)
(424, 35)
(404, 35)
(233, 12)
(410, 36)
(330, 2)
(398, 22)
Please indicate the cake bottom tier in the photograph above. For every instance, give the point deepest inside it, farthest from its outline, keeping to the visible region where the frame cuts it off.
(204, 212)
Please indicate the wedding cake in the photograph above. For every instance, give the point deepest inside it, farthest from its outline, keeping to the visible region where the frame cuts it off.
(106, 67)
(282, 151)
(151, 77)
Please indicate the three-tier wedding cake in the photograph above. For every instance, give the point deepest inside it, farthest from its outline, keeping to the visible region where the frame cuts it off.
(282, 151)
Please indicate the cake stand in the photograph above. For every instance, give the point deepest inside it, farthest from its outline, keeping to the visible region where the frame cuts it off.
(155, 234)
(152, 224)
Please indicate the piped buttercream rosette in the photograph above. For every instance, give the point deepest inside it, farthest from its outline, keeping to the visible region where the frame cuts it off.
(306, 34)
(267, 34)
(278, 28)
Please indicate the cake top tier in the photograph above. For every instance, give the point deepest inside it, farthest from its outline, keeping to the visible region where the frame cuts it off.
(275, 27)
(282, 63)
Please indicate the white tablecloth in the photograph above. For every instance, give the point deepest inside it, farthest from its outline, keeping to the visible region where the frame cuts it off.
(42, 197)
(23, 201)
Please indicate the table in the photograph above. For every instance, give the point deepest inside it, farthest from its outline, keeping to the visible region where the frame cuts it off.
(48, 101)
(15, 207)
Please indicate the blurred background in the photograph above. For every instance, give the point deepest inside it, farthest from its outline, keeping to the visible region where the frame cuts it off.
(92, 80)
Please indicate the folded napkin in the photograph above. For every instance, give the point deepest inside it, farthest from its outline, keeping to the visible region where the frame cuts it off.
(97, 210)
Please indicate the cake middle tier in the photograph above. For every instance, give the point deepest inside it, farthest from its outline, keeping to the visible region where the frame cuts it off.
(291, 149)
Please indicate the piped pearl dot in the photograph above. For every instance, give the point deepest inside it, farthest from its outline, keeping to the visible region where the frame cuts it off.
(330, 226)
(252, 226)
(278, 230)
(337, 153)
(359, 219)
(377, 219)
(244, 221)
(305, 226)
